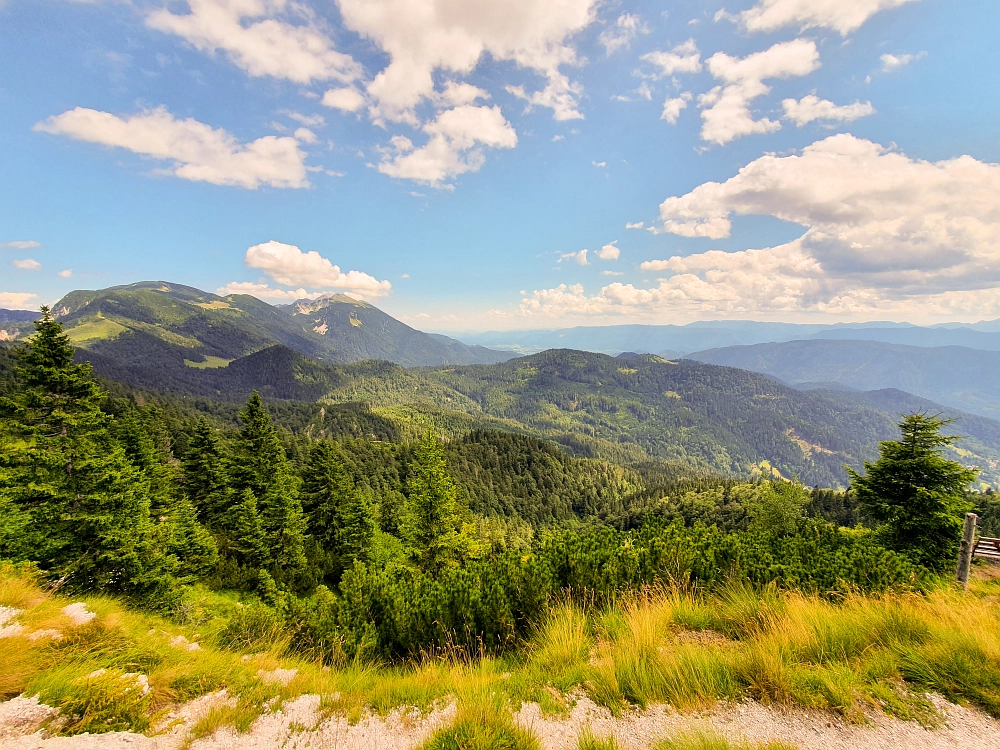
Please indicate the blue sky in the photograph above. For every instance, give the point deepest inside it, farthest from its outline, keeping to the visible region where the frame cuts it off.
(786, 159)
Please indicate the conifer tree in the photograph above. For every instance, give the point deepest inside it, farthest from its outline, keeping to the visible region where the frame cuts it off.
(60, 466)
(431, 524)
(340, 519)
(245, 532)
(204, 478)
(915, 494)
(258, 463)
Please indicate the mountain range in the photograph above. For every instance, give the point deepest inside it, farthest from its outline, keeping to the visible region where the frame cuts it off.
(710, 412)
(678, 340)
(162, 327)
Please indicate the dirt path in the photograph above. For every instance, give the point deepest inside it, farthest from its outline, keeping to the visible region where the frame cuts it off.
(297, 727)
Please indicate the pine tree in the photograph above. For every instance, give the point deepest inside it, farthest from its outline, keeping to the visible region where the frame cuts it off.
(431, 525)
(915, 494)
(60, 466)
(204, 477)
(258, 463)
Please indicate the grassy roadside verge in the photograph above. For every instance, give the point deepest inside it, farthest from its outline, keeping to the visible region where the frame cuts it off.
(850, 656)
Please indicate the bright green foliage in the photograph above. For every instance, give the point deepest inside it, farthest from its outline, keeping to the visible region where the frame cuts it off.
(432, 525)
(915, 495)
(340, 518)
(776, 507)
(89, 506)
(258, 463)
(204, 477)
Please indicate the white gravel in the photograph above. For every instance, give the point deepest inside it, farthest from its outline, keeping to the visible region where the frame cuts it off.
(78, 613)
(297, 727)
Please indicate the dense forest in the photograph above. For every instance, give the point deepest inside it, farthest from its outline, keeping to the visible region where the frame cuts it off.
(365, 536)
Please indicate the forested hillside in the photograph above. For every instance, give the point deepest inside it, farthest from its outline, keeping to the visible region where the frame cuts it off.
(956, 376)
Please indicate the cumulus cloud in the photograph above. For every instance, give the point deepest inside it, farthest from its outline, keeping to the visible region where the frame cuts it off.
(17, 300)
(620, 35)
(290, 266)
(684, 58)
(66, 273)
(197, 151)
(266, 292)
(20, 244)
(843, 16)
(256, 37)
(811, 107)
(26, 264)
(579, 257)
(726, 108)
(452, 37)
(347, 99)
(454, 147)
(609, 251)
(885, 234)
(635, 225)
(672, 107)
(894, 62)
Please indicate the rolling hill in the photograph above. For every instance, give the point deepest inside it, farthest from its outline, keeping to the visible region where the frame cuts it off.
(628, 410)
(956, 376)
(163, 327)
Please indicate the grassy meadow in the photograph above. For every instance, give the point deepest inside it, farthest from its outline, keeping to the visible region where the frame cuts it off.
(850, 656)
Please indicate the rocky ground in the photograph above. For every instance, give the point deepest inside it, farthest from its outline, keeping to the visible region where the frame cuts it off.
(299, 725)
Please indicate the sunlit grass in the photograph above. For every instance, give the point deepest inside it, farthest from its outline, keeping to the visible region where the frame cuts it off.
(683, 648)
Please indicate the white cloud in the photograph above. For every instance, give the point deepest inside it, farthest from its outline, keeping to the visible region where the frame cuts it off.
(684, 58)
(454, 147)
(811, 107)
(609, 251)
(26, 264)
(198, 152)
(266, 292)
(66, 273)
(612, 273)
(288, 265)
(894, 62)
(421, 38)
(580, 257)
(305, 135)
(880, 227)
(254, 37)
(620, 36)
(309, 121)
(884, 235)
(672, 107)
(347, 99)
(635, 225)
(21, 244)
(16, 300)
(599, 164)
(726, 109)
(843, 16)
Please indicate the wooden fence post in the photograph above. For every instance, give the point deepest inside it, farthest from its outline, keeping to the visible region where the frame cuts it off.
(968, 546)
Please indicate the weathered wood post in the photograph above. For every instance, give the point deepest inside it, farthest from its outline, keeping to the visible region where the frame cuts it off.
(968, 546)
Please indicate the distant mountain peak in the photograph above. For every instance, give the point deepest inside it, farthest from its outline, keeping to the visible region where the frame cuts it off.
(308, 306)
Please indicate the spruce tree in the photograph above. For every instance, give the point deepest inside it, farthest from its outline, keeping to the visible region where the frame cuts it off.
(915, 494)
(204, 475)
(258, 463)
(431, 525)
(60, 467)
(245, 532)
(340, 519)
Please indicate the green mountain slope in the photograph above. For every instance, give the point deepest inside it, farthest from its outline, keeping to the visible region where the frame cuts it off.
(362, 331)
(956, 376)
(152, 327)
